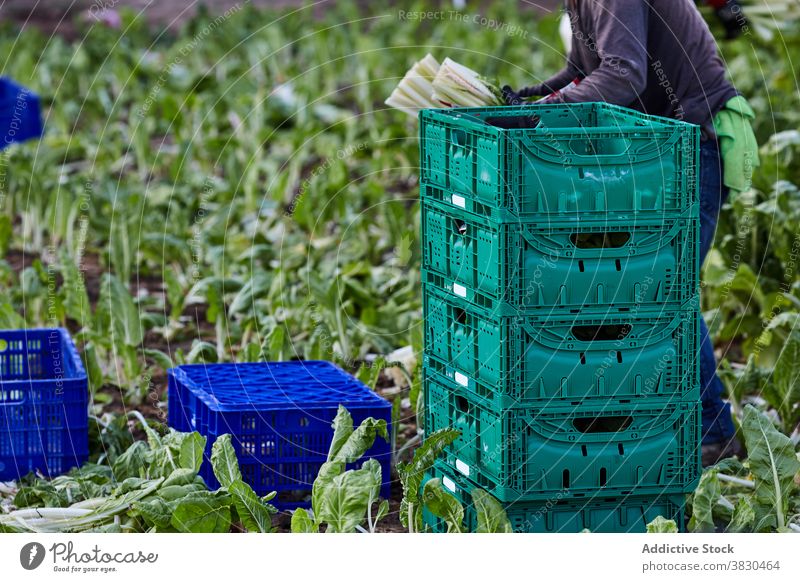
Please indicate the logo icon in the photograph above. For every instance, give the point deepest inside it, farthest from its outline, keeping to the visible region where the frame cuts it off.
(31, 555)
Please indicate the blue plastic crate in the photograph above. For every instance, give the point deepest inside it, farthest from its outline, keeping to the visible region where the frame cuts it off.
(20, 115)
(279, 415)
(43, 403)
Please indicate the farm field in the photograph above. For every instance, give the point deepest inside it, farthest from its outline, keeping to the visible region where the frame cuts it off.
(236, 190)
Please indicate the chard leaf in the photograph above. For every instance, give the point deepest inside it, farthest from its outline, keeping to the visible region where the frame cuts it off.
(255, 513)
(492, 517)
(361, 440)
(132, 462)
(441, 504)
(773, 464)
(302, 523)
(783, 392)
(224, 461)
(662, 525)
(343, 503)
(203, 512)
(342, 429)
(120, 312)
(192, 448)
(411, 474)
(180, 477)
(744, 516)
(324, 481)
(155, 512)
(705, 498)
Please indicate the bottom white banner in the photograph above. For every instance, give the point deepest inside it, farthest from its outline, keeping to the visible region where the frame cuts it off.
(232, 557)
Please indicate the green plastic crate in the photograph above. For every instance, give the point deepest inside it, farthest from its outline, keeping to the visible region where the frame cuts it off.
(515, 267)
(560, 161)
(598, 514)
(533, 453)
(563, 358)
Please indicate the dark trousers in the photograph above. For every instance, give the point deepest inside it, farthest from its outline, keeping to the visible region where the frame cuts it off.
(717, 422)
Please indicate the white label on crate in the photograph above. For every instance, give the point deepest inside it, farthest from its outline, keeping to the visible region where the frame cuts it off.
(459, 201)
(462, 466)
(447, 482)
(462, 379)
(459, 290)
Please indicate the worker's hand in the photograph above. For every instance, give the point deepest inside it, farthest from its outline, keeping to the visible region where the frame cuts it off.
(512, 97)
(732, 18)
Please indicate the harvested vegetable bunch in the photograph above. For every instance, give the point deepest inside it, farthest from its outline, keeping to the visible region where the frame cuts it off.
(458, 86)
(428, 85)
(415, 90)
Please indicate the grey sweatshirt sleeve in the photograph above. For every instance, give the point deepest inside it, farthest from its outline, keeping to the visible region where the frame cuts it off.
(621, 45)
(558, 81)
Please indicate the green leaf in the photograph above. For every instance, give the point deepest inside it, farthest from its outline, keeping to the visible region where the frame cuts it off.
(404, 249)
(203, 512)
(162, 360)
(6, 234)
(783, 392)
(705, 498)
(91, 362)
(342, 429)
(275, 342)
(361, 440)
(441, 504)
(9, 318)
(155, 512)
(301, 522)
(192, 449)
(773, 464)
(662, 525)
(180, 477)
(370, 373)
(343, 504)
(383, 511)
(73, 291)
(411, 474)
(245, 299)
(255, 513)
(224, 461)
(121, 313)
(492, 517)
(744, 516)
(132, 462)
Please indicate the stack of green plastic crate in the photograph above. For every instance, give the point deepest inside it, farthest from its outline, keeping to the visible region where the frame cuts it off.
(560, 270)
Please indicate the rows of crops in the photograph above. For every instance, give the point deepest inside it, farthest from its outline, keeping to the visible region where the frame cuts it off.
(239, 192)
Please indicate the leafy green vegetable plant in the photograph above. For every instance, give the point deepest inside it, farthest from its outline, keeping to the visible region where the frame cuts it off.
(343, 499)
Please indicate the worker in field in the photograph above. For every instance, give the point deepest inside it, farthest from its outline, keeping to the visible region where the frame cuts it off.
(659, 57)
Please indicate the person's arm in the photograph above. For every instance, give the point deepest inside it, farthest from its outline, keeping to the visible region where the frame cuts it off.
(557, 82)
(621, 39)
